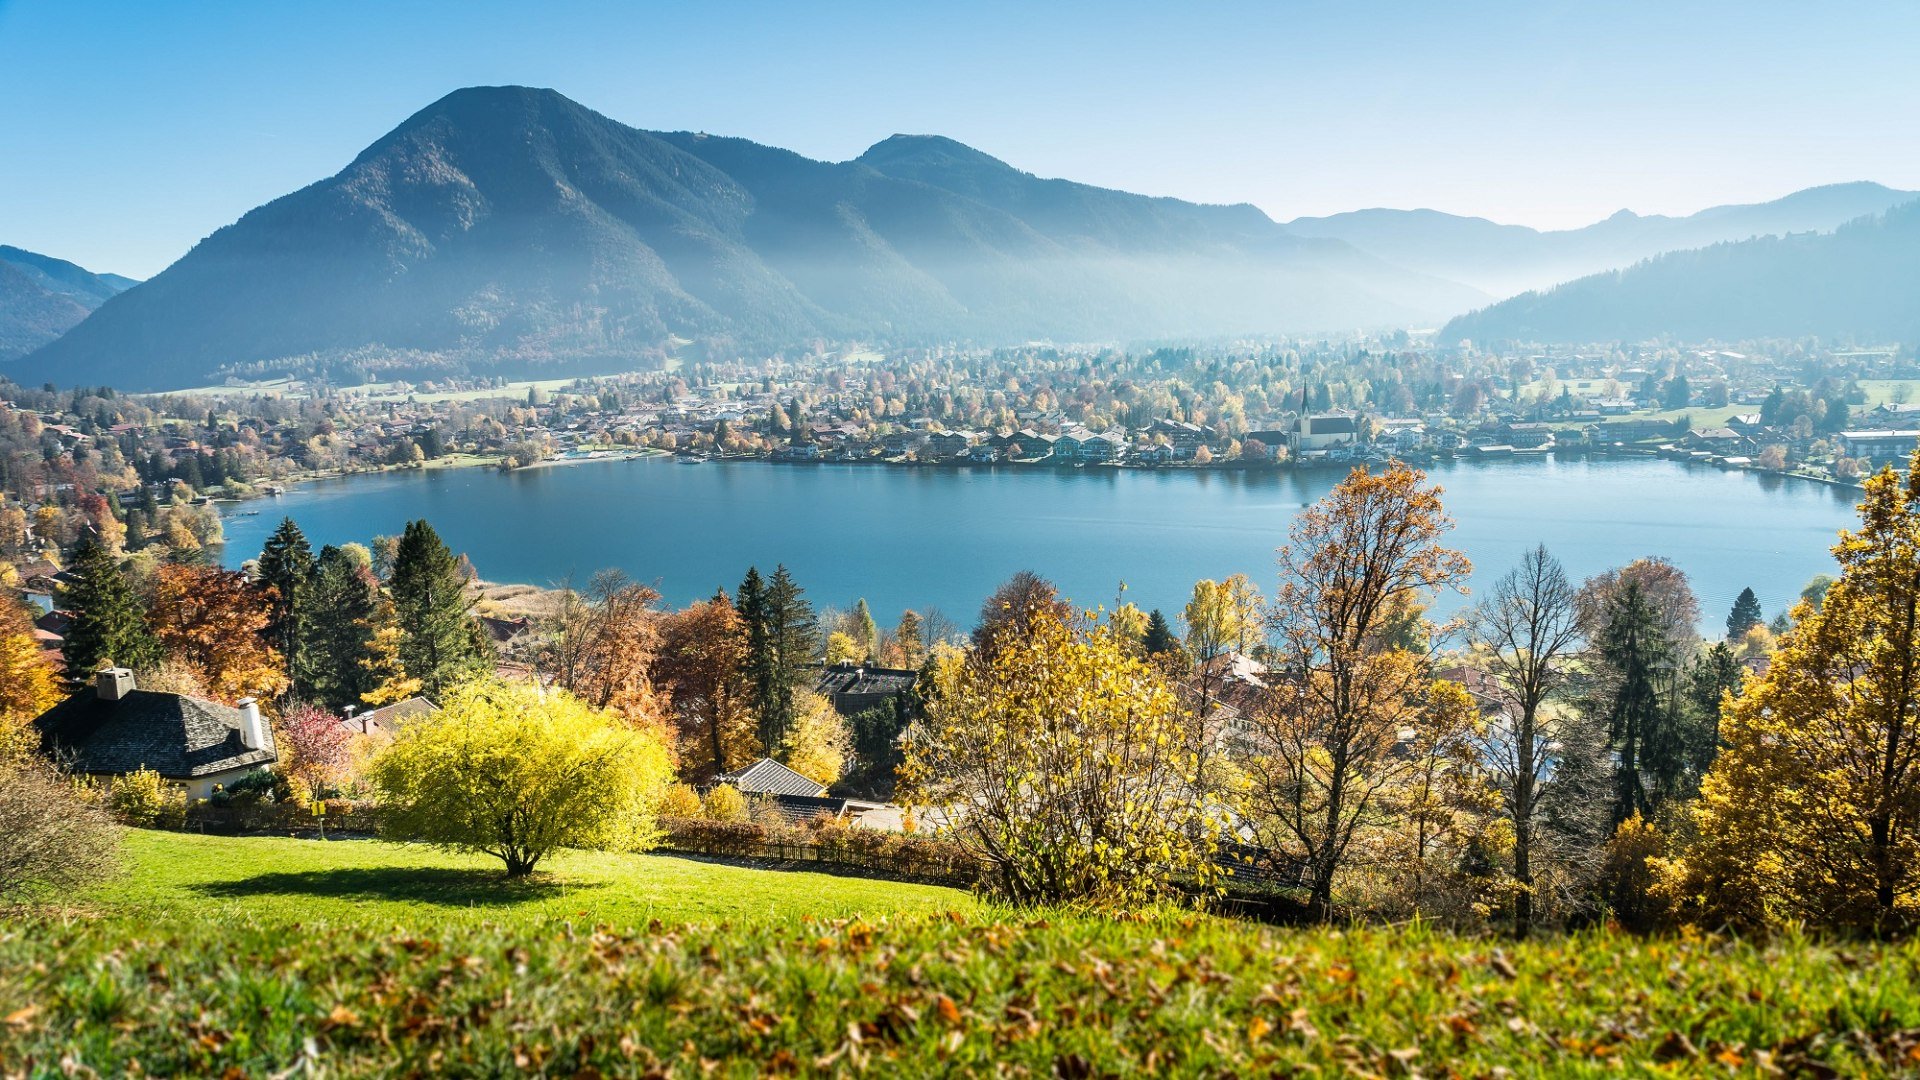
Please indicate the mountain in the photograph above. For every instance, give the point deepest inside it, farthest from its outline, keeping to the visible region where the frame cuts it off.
(509, 230)
(1861, 281)
(1507, 259)
(41, 297)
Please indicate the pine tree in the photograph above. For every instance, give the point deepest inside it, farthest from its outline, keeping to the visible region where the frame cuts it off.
(1639, 700)
(1159, 639)
(792, 634)
(439, 644)
(286, 566)
(336, 637)
(108, 627)
(1745, 615)
(863, 630)
(760, 666)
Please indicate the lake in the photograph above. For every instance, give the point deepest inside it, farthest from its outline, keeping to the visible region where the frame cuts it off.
(944, 538)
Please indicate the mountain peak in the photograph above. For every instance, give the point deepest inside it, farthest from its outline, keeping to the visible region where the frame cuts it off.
(928, 150)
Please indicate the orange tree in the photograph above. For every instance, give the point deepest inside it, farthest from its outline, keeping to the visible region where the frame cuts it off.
(214, 622)
(1323, 756)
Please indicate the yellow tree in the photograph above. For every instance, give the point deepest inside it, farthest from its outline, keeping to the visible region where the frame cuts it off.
(818, 745)
(1066, 764)
(27, 684)
(514, 771)
(1812, 810)
(1324, 750)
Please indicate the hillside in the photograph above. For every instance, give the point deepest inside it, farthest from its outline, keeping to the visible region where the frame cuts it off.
(270, 956)
(41, 297)
(511, 230)
(1861, 281)
(1508, 259)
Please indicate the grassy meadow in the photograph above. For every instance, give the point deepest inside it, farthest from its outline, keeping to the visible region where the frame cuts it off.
(256, 957)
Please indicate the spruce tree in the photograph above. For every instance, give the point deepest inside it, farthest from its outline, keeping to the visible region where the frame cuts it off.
(793, 636)
(1745, 615)
(108, 626)
(336, 637)
(761, 667)
(1159, 639)
(439, 644)
(286, 566)
(1639, 701)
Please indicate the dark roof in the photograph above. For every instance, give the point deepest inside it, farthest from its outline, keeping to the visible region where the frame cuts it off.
(802, 808)
(176, 736)
(769, 777)
(1331, 425)
(860, 679)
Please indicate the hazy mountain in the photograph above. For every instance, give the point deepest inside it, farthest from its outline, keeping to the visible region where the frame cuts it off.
(1861, 281)
(511, 230)
(1507, 259)
(41, 297)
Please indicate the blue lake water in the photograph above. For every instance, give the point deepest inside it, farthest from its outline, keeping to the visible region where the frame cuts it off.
(943, 538)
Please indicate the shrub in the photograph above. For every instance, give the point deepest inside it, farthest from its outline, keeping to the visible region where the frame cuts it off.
(725, 803)
(146, 800)
(259, 788)
(509, 770)
(680, 801)
(53, 835)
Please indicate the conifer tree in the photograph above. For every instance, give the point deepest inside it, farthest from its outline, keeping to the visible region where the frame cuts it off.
(1653, 737)
(336, 639)
(792, 638)
(760, 667)
(108, 627)
(1159, 639)
(440, 644)
(1745, 615)
(286, 566)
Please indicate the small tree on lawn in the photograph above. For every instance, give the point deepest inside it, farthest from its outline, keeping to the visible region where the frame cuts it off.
(511, 771)
(317, 745)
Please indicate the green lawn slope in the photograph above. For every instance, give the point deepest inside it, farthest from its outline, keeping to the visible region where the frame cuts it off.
(755, 972)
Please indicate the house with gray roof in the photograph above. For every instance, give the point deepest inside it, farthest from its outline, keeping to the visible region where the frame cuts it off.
(113, 728)
(769, 777)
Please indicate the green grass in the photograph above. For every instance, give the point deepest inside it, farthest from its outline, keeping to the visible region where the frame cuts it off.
(1883, 391)
(277, 881)
(157, 983)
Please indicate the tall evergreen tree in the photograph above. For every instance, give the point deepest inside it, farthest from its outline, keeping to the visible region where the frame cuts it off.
(1159, 638)
(286, 566)
(761, 667)
(1639, 700)
(793, 638)
(108, 626)
(336, 637)
(440, 644)
(1745, 615)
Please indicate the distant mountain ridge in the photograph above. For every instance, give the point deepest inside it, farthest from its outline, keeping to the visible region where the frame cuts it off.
(511, 230)
(1508, 259)
(1861, 281)
(42, 297)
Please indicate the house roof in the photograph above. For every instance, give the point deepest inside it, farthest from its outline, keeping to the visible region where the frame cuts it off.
(798, 809)
(386, 719)
(177, 736)
(839, 679)
(769, 777)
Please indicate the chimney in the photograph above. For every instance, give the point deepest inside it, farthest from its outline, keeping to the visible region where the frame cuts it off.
(253, 731)
(113, 683)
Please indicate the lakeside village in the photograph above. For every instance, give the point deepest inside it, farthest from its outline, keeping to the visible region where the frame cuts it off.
(95, 458)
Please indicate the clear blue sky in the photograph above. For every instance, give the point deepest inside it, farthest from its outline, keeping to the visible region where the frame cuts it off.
(129, 130)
